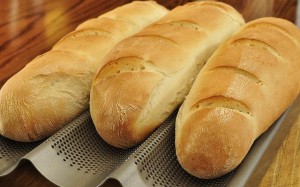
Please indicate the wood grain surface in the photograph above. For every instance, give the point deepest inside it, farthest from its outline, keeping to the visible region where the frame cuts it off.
(31, 27)
(285, 169)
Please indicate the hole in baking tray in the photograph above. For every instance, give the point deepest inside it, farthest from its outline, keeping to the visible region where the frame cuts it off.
(111, 182)
(87, 155)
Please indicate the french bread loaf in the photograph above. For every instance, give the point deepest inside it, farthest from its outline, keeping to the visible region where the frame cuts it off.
(244, 87)
(147, 75)
(54, 87)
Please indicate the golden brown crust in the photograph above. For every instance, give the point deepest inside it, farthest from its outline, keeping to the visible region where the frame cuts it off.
(54, 87)
(201, 153)
(169, 53)
(244, 87)
(125, 109)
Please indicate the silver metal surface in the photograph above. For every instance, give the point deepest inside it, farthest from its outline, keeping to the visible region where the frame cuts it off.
(11, 152)
(154, 163)
(77, 156)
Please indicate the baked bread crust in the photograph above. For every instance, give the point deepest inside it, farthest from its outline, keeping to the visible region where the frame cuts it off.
(147, 75)
(245, 86)
(54, 87)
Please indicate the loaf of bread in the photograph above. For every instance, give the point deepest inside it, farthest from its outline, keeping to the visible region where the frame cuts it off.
(54, 87)
(244, 87)
(147, 75)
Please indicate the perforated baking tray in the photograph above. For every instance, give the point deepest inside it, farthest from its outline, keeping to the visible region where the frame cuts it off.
(77, 156)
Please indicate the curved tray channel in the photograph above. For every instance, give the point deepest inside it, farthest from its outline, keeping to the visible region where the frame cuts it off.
(77, 156)
(11, 152)
(155, 164)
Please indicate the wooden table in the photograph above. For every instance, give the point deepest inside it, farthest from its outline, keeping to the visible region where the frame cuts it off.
(30, 27)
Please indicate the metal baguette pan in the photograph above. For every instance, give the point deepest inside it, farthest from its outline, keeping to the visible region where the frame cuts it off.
(77, 156)
(11, 152)
(154, 163)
